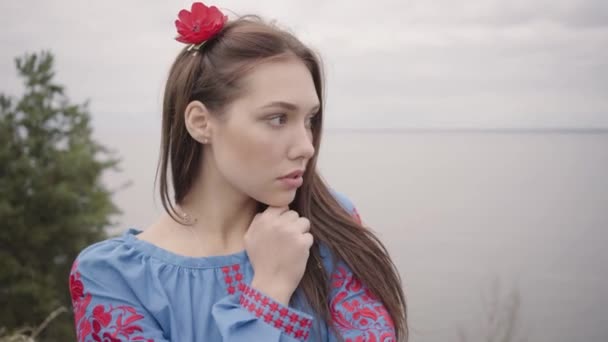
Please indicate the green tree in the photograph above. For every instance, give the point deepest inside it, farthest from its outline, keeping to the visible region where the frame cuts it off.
(52, 200)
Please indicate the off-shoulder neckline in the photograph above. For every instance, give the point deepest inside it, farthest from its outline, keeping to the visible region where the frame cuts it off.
(154, 251)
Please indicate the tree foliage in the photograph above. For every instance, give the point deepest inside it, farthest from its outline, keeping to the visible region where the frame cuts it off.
(52, 199)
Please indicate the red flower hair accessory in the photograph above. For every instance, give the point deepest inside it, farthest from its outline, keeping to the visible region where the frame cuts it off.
(199, 25)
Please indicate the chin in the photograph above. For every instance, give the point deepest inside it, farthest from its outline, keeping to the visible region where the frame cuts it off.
(278, 199)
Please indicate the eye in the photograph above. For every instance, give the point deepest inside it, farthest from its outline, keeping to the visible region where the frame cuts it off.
(278, 119)
(311, 120)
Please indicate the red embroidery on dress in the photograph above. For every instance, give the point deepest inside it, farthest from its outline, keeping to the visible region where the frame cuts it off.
(100, 325)
(233, 278)
(275, 314)
(362, 314)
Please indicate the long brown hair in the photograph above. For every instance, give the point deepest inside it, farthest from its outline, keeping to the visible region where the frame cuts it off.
(211, 75)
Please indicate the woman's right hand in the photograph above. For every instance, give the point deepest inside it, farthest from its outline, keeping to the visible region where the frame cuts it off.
(278, 245)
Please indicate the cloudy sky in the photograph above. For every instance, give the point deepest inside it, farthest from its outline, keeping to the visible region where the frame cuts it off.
(389, 64)
(417, 63)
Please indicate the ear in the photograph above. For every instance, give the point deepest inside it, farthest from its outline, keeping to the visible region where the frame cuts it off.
(198, 121)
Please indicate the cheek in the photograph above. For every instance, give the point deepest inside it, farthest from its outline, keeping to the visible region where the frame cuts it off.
(251, 159)
(248, 157)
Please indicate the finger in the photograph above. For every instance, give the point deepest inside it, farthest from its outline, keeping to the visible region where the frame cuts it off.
(302, 225)
(290, 216)
(308, 239)
(276, 211)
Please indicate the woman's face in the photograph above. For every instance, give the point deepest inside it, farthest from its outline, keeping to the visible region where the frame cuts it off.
(266, 133)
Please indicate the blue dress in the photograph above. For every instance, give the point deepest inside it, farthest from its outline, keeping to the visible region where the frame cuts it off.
(127, 289)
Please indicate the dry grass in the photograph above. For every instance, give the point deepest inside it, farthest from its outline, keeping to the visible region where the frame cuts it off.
(501, 321)
(29, 334)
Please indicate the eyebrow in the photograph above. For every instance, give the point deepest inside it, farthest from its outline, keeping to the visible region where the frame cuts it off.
(287, 105)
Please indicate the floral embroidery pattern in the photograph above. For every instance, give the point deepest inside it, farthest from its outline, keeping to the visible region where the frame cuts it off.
(233, 278)
(102, 324)
(355, 309)
(278, 315)
(273, 313)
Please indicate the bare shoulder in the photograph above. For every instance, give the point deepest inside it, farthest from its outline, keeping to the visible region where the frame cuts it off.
(158, 233)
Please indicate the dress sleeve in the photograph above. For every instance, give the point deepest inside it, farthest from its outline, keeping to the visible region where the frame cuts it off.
(104, 310)
(251, 316)
(357, 314)
(347, 204)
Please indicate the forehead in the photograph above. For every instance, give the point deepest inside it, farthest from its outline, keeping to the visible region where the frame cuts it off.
(286, 80)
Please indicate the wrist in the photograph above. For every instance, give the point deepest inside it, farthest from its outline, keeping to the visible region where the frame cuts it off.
(272, 290)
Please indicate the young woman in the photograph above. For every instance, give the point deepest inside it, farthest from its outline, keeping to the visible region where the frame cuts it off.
(253, 246)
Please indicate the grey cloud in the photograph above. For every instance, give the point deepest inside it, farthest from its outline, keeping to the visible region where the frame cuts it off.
(413, 63)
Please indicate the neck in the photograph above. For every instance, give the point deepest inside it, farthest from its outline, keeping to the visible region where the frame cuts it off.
(220, 212)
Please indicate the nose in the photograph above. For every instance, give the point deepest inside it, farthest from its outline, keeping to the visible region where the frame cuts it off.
(302, 146)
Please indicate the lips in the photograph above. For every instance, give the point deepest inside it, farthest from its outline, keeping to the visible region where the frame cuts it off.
(294, 174)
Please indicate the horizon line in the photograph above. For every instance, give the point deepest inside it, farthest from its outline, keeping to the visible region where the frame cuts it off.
(588, 130)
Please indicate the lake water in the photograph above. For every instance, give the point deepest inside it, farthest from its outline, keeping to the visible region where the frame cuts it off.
(462, 211)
